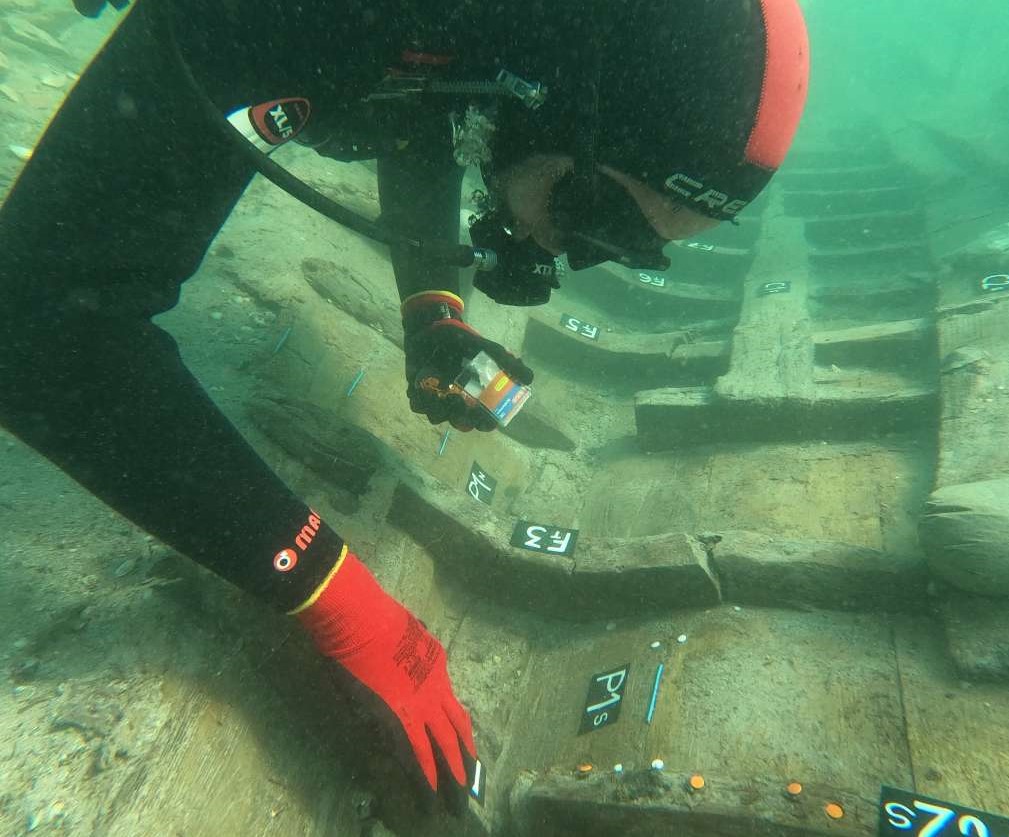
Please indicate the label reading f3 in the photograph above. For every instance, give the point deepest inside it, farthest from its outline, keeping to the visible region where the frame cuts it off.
(541, 538)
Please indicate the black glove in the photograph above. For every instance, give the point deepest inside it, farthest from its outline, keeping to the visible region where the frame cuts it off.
(525, 272)
(438, 344)
(93, 8)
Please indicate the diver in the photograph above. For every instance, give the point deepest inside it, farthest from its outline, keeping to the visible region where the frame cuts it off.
(603, 130)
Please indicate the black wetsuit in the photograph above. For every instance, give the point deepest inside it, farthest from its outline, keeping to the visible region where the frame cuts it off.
(132, 181)
(116, 209)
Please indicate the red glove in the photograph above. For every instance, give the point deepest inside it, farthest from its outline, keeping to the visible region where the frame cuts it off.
(385, 647)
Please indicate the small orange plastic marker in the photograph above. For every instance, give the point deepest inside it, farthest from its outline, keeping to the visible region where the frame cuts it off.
(834, 811)
(793, 789)
(696, 782)
(584, 770)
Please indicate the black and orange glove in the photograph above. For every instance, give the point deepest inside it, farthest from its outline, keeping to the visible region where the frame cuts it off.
(437, 344)
(386, 649)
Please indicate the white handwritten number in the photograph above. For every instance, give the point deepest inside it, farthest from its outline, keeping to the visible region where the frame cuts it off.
(572, 324)
(943, 817)
(972, 825)
(534, 533)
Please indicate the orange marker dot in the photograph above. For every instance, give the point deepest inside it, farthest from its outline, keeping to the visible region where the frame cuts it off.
(834, 811)
(584, 769)
(794, 788)
(697, 782)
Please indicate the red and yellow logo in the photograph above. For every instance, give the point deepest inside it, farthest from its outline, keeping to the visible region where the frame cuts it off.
(287, 559)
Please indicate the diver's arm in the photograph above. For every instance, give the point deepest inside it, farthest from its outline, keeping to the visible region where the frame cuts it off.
(420, 194)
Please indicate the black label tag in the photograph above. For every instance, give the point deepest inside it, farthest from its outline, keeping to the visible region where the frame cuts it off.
(769, 288)
(913, 815)
(652, 279)
(478, 781)
(998, 282)
(580, 327)
(481, 485)
(605, 697)
(538, 538)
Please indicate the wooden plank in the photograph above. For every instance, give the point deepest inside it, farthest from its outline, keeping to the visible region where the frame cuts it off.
(772, 571)
(314, 369)
(957, 732)
(646, 802)
(865, 494)
(606, 577)
(820, 714)
(671, 418)
(974, 358)
(772, 346)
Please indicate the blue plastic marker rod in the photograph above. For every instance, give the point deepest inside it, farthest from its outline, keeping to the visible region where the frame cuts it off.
(283, 339)
(357, 380)
(444, 441)
(655, 693)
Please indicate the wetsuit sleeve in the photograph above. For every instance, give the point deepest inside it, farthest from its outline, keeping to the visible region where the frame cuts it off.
(420, 192)
(117, 207)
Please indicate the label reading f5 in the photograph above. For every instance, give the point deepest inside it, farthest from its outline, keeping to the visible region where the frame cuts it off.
(606, 694)
(580, 327)
(913, 815)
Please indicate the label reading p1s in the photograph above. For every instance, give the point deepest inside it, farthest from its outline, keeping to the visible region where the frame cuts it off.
(606, 694)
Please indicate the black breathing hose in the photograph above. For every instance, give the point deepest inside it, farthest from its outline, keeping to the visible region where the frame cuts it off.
(439, 252)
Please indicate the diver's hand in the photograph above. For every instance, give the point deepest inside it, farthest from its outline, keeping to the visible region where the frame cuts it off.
(386, 649)
(93, 8)
(438, 343)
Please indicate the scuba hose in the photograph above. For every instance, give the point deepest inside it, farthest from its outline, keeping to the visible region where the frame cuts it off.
(453, 255)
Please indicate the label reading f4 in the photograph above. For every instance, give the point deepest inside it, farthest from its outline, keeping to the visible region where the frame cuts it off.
(550, 539)
(913, 815)
(481, 485)
(606, 694)
(580, 327)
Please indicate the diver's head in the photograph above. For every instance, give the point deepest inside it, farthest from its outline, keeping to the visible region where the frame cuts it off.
(533, 190)
(661, 121)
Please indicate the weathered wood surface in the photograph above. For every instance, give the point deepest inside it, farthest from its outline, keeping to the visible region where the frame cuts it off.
(751, 695)
(772, 571)
(977, 635)
(772, 346)
(672, 418)
(606, 577)
(957, 731)
(643, 803)
(974, 358)
(314, 369)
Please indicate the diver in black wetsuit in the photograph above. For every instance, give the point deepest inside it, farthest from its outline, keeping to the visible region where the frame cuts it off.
(612, 133)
